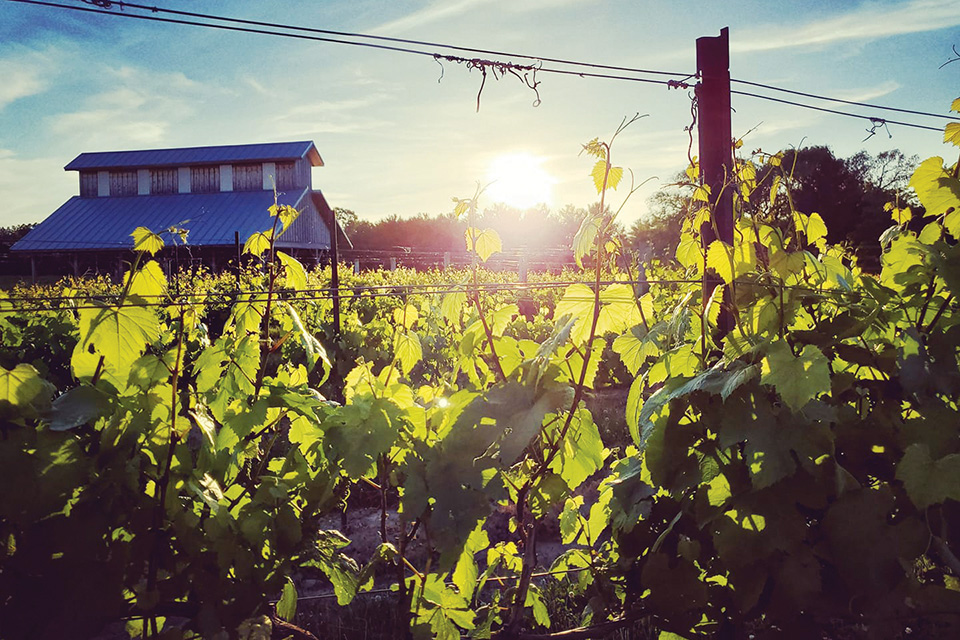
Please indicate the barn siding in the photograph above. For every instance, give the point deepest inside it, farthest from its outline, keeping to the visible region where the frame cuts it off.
(248, 177)
(287, 176)
(164, 181)
(123, 183)
(88, 184)
(205, 179)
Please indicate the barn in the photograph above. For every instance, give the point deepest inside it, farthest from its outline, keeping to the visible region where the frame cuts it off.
(221, 195)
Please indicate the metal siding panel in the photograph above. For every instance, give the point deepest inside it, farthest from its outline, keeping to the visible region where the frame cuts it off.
(106, 223)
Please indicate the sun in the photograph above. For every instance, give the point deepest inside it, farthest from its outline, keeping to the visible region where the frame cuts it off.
(519, 180)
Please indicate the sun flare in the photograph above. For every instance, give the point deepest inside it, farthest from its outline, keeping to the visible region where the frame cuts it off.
(519, 180)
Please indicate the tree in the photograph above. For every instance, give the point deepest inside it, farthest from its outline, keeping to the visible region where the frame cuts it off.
(656, 234)
(347, 218)
(9, 235)
(849, 194)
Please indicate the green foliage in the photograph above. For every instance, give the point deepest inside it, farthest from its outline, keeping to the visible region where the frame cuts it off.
(797, 473)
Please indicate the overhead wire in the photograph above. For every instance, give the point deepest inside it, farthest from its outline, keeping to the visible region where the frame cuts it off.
(423, 43)
(872, 119)
(840, 100)
(322, 35)
(307, 35)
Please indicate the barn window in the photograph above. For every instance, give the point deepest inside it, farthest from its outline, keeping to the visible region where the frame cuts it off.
(164, 181)
(205, 179)
(287, 176)
(123, 183)
(247, 177)
(89, 184)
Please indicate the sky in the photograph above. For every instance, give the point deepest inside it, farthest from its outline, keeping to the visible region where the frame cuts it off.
(401, 134)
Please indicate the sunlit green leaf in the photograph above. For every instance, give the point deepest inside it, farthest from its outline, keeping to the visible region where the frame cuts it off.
(405, 316)
(287, 605)
(258, 243)
(937, 189)
(798, 379)
(577, 303)
(148, 281)
(484, 242)
(146, 241)
(583, 242)
(720, 259)
(22, 389)
(286, 213)
(408, 350)
(951, 133)
(294, 273)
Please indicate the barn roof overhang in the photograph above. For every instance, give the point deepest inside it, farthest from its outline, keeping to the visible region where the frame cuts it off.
(187, 156)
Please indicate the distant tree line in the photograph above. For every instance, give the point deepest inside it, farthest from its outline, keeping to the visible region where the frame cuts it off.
(848, 193)
(535, 228)
(9, 235)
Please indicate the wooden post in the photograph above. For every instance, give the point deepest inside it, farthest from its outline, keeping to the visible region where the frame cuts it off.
(716, 150)
(335, 271)
(236, 267)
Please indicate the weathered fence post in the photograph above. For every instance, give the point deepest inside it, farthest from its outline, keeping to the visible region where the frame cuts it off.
(335, 270)
(716, 150)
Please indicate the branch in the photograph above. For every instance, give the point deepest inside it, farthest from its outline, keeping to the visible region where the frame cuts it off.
(584, 633)
(283, 629)
(940, 546)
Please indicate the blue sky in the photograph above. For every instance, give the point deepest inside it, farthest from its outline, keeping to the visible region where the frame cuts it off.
(398, 139)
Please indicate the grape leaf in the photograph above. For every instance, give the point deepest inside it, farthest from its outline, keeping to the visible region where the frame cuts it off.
(720, 259)
(119, 334)
(23, 389)
(405, 316)
(929, 481)
(466, 572)
(600, 175)
(407, 347)
(577, 303)
(485, 243)
(257, 243)
(798, 379)
(287, 605)
(295, 276)
(147, 282)
(585, 238)
(951, 133)
(937, 189)
(146, 240)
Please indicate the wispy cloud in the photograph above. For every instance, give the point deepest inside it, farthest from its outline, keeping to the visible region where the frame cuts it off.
(139, 109)
(328, 117)
(443, 10)
(25, 74)
(434, 12)
(867, 93)
(32, 187)
(869, 21)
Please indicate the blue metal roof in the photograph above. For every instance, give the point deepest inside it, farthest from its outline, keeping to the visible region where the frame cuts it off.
(85, 224)
(269, 152)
